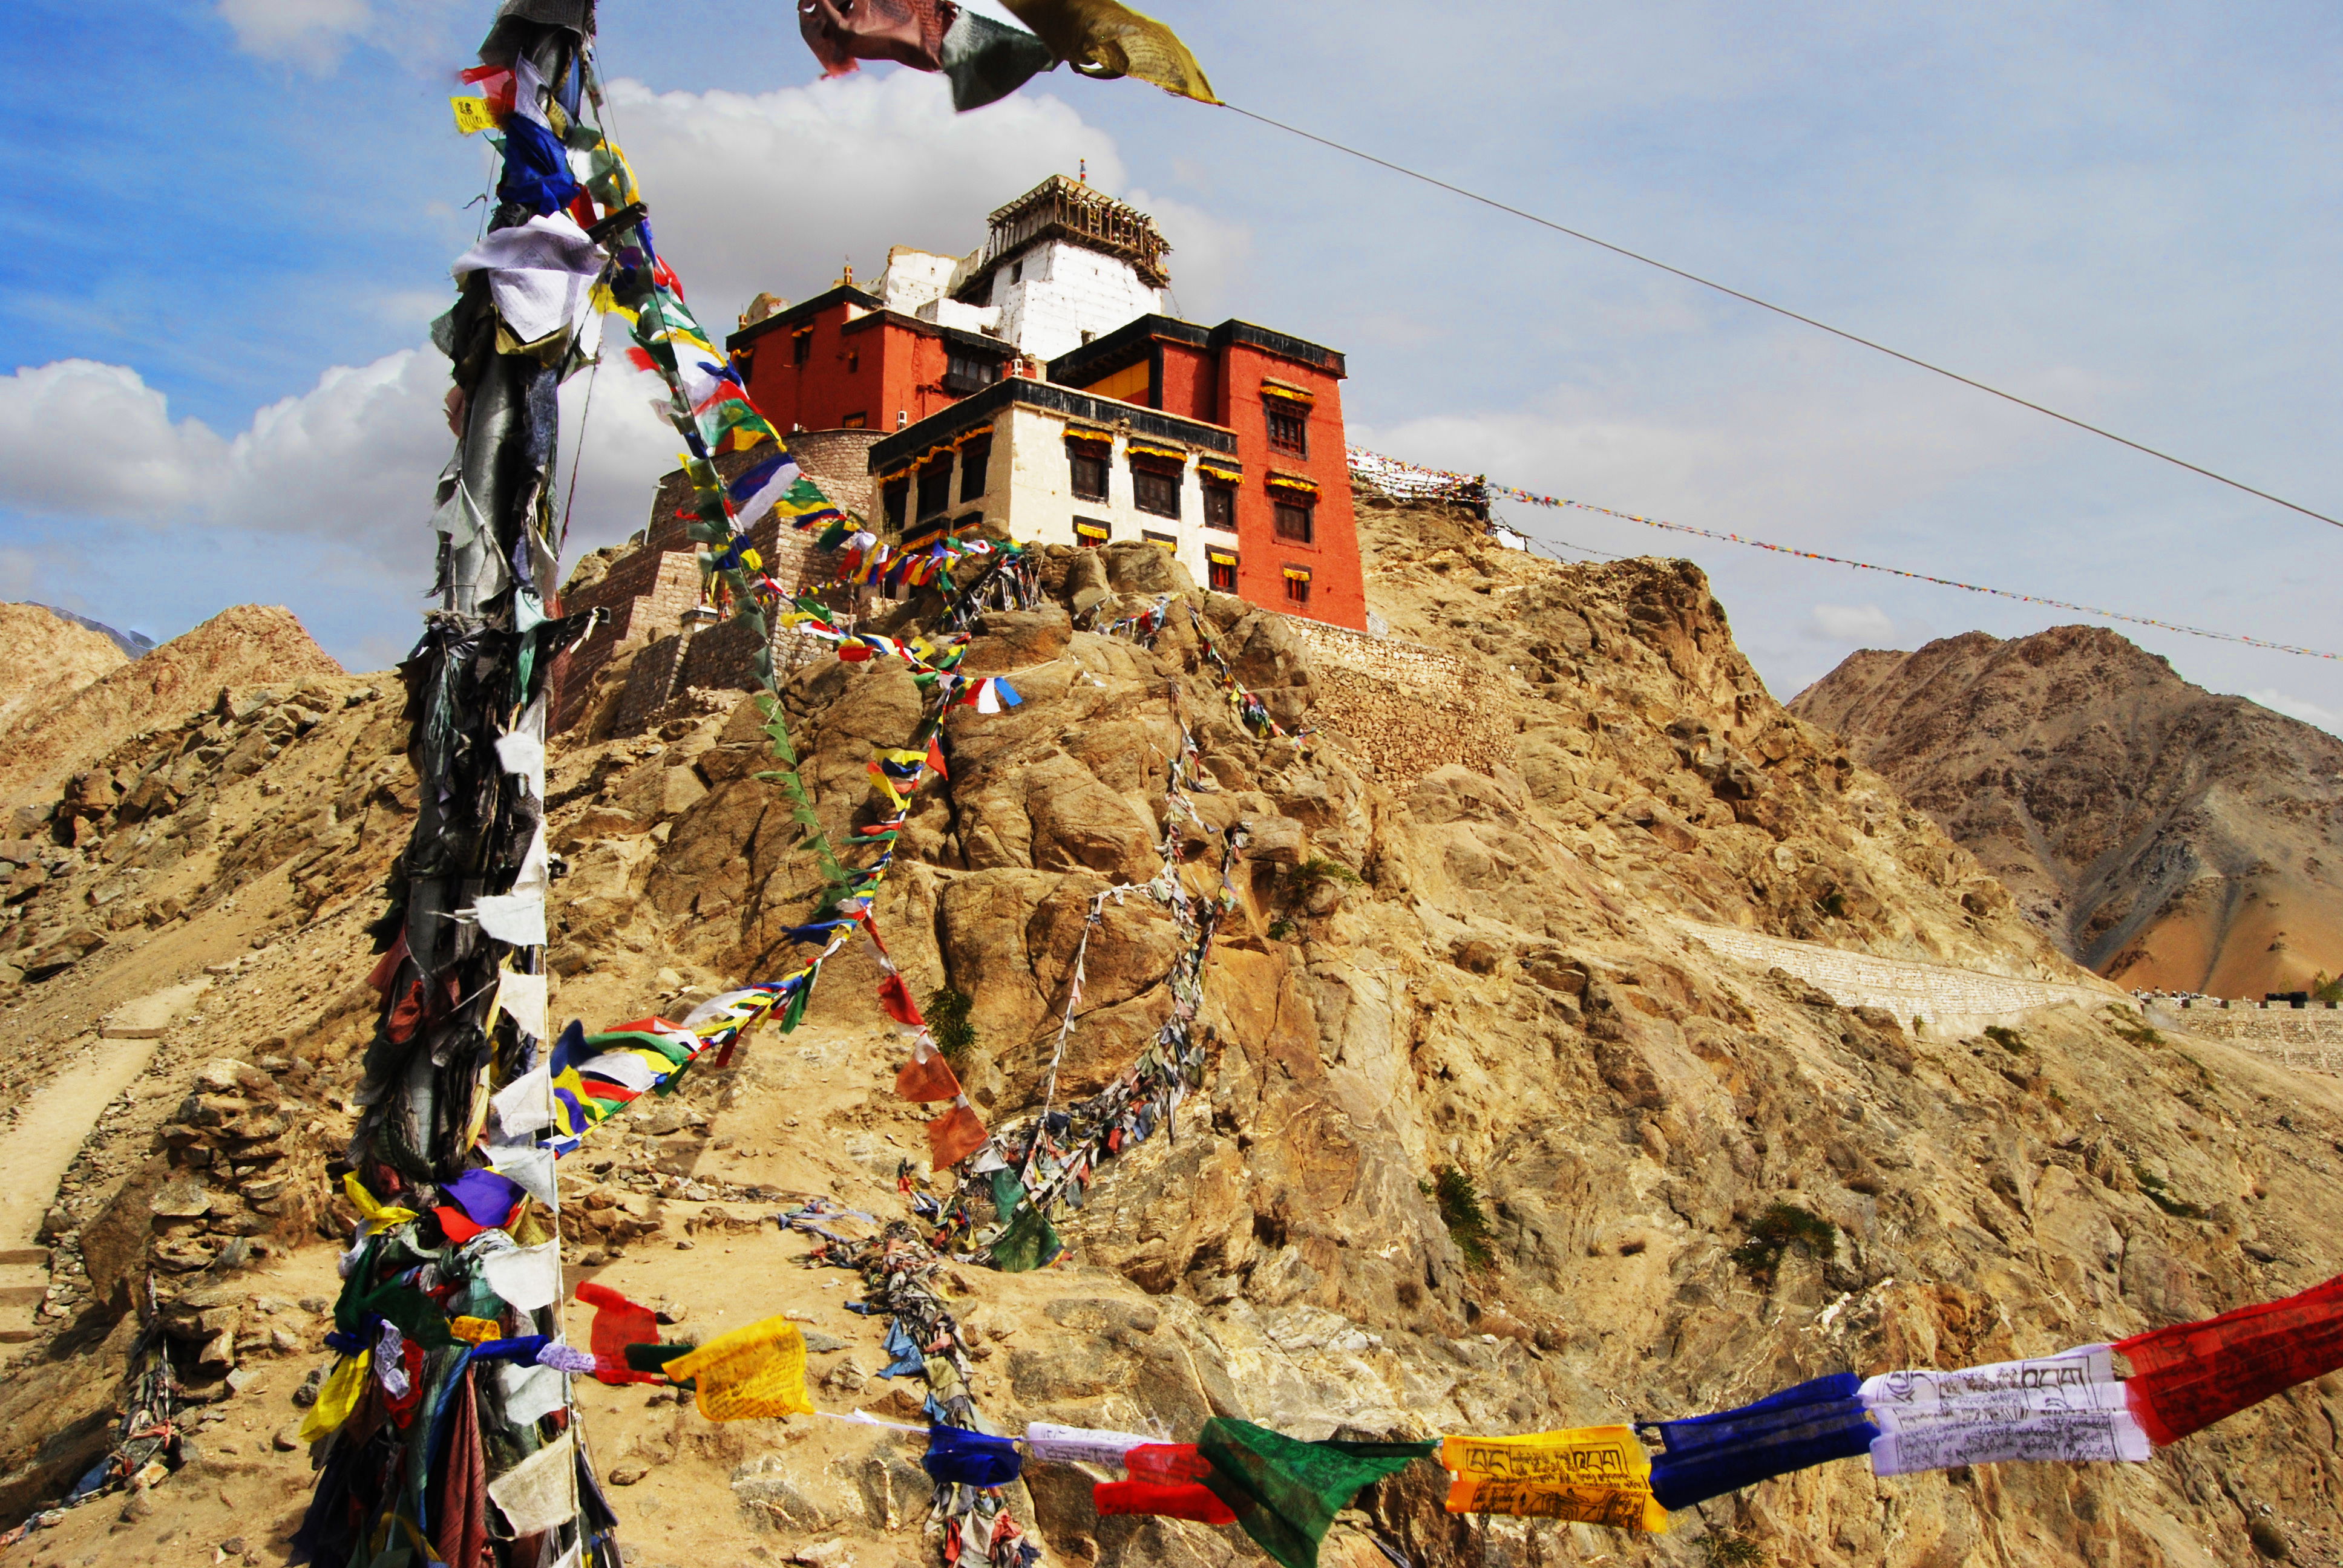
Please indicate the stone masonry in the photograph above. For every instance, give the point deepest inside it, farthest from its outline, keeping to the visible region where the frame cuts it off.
(1409, 707)
(1903, 987)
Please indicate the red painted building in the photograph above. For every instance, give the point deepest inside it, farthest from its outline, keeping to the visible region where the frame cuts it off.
(843, 361)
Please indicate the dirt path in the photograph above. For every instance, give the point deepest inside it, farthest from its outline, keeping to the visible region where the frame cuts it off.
(47, 1133)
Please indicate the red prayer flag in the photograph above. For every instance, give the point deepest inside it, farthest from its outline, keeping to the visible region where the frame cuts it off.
(2186, 1377)
(954, 1136)
(1171, 1500)
(618, 1324)
(1166, 1462)
(895, 996)
(936, 757)
(929, 1078)
(461, 1537)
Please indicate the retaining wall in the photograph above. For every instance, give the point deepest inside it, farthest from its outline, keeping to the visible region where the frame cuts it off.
(1903, 987)
(1409, 707)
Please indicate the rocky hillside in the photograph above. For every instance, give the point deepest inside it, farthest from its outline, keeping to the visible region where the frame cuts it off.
(45, 659)
(243, 645)
(2163, 836)
(1486, 1138)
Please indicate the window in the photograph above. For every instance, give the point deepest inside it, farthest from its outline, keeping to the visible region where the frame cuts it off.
(974, 457)
(1168, 541)
(1297, 585)
(1289, 428)
(1016, 272)
(935, 487)
(1155, 487)
(853, 360)
(1089, 474)
(965, 373)
(854, 421)
(896, 495)
(1220, 506)
(1221, 570)
(801, 346)
(1293, 520)
(1090, 531)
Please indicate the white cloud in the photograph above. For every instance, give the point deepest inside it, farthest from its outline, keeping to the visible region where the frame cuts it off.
(311, 34)
(2277, 701)
(79, 437)
(1852, 623)
(774, 191)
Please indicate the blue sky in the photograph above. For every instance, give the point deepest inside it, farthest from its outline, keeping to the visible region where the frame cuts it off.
(233, 221)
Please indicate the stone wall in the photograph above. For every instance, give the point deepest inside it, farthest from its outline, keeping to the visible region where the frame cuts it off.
(1904, 987)
(1409, 708)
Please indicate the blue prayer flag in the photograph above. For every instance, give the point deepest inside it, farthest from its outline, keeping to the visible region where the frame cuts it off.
(1800, 1427)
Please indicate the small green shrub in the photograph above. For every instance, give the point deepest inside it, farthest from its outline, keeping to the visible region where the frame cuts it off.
(1458, 1202)
(2130, 1025)
(948, 1022)
(1833, 904)
(1731, 1549)
(1281, 929)
(2009, 1040)
(1780, 1228)
(2161, 1196)
(2323, 989)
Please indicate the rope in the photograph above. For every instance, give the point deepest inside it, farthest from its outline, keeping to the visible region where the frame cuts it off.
(1784, 310)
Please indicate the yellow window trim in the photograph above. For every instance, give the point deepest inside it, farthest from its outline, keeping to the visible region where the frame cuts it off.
(1297, 574)
(1092, 530)
(1220, 558)
(1144, 449)
(1291, 394)
(966, 437)
(1233, 476)
(1295, 482)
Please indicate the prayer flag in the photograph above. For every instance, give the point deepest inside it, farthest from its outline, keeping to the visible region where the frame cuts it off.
(1710, 1455)
(1055, 1444)
(927, 1077)
(1286, 1493)
(1586, 1476)
(895, 996)
(758, 1370)
(1169, 1500)
(954, 1136)
(474, 115)
(988, 60)
(844, 33)
(1030, 1242)
(338, 1396)
(2067, 1406)
(956, 1456)
(2186, 1377)
(618, 1324)
(1103, 38)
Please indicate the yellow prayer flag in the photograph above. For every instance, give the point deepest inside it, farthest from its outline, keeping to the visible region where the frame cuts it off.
(378, 1216)
(1586, 1476)
(338, 1397)
(474, 115)
(751, 1372)
(1106, 38)
(474, 1330)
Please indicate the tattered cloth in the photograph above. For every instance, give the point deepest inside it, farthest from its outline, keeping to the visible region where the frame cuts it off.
(2186, 1377)
(1710, 1455)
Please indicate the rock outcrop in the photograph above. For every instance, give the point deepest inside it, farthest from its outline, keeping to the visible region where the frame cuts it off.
(45, 660)
(246, 646)
(1486, 1142)
(2164, 836)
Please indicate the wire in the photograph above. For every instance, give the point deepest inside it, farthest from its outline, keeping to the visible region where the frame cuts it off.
(1794, 316)
(1531, 499)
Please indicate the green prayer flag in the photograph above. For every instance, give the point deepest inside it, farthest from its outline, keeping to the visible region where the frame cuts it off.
(1030, 1241)
(1286, 1493)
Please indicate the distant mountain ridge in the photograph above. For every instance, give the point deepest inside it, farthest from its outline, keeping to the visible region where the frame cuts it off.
(2162, 835)
(133, 644)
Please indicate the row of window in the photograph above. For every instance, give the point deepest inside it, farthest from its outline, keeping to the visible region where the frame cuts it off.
(1155, 489)
(1221, 566)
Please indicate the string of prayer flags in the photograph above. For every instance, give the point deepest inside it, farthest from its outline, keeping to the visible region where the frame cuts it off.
(2066, 1407)
(1286, 1493)
(2186, 1377)
(758, 1371)
(1812, 1424)
(1165, 1479)
(988, 60)
(1584, 1476)
(957, 1457)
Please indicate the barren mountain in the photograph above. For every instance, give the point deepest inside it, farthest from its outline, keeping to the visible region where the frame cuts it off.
(1488, 1129)
(45, 659)
(2163, 836)
(244, 645)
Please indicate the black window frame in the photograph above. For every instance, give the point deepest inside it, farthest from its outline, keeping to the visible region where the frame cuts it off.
(1282, 505)
(1157, 536)
(801, 345)
(1281, 415)
(1105, 532)
(966, 373)
(895, 500)
(935, 487)
(1079, 454)
(1220, 497)
(1155, 487)
(1214, 569)
(975, 468)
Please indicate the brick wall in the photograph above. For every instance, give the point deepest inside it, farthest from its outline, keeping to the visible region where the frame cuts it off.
(1409, 707)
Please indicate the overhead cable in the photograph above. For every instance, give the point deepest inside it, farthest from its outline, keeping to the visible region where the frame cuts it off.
(1785, 310)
